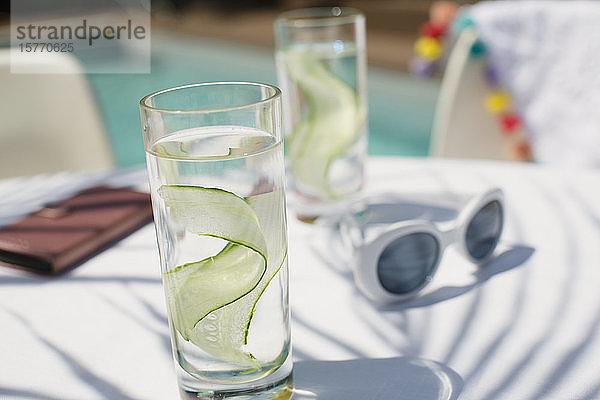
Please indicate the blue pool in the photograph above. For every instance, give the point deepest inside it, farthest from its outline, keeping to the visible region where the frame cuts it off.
(400, 107)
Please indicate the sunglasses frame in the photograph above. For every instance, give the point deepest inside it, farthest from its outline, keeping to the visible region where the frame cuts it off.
(366, 272)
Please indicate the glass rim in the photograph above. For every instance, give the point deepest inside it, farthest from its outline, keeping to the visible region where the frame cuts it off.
(318, 16)
(145, 105)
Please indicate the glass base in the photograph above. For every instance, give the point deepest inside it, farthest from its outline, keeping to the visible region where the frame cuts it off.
(276, 386)
(328, 212)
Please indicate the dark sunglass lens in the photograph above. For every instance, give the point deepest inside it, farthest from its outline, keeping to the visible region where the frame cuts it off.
(407, 263)
(484, 230)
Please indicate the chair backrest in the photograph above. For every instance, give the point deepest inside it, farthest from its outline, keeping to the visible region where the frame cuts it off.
(48, 122)
(463, 128)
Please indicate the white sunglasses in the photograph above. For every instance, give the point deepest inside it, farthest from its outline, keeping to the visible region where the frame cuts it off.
(394, 261)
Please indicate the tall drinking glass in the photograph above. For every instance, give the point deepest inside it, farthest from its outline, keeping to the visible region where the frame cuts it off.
(321, 66)
(215, 163)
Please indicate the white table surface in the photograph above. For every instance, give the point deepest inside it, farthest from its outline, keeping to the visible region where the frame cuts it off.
(524, 326)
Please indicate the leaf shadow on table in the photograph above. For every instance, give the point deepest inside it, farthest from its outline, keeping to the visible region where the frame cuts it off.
(329, 248)
(367, 378)
(26, 278)
(78, 368)
(548, 352)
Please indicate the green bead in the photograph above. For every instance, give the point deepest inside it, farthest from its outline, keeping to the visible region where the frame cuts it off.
(478, 49)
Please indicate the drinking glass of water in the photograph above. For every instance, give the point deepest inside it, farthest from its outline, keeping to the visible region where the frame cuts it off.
(321, 67)
(215, 163)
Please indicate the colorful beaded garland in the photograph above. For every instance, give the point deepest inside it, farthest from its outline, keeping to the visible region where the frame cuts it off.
(429, 49)
(499, 103)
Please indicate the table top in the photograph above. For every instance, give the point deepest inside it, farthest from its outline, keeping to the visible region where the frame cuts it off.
(524, 326)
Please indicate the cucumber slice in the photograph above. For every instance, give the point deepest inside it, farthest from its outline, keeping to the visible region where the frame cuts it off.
(223, 333)
(201, 287)
(215, 298)
(215, 212)
(332, 124)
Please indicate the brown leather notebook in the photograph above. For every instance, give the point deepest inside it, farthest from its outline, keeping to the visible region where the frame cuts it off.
(65, 234)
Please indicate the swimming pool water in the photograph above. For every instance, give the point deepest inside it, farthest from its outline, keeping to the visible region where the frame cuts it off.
(400, 107)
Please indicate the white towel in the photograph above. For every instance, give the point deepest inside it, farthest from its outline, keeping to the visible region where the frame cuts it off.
(548, 55)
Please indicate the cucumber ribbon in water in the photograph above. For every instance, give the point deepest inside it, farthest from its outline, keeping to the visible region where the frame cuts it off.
(213, 300)
(331, 126)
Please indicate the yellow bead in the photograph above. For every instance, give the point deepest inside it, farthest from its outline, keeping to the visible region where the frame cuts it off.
(497, 102)
(428, 48)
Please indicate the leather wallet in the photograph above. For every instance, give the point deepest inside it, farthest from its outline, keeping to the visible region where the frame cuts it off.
(64, 234)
